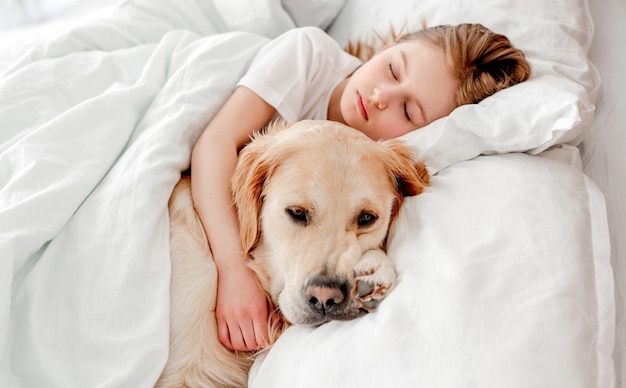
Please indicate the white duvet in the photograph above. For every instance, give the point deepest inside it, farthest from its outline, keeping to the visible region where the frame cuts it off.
(92, 143)
(504, 274)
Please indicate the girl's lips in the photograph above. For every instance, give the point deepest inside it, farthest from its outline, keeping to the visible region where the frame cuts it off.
(361, 105)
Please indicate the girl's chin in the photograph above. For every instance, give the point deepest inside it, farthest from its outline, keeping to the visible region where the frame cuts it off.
(354, 120)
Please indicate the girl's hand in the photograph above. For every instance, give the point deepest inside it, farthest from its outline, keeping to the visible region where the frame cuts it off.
(241, 310)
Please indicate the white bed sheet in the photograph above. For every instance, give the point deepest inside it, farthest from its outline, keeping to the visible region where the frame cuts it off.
(603, 151)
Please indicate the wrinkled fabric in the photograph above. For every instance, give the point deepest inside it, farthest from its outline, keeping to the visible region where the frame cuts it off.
(91, 145)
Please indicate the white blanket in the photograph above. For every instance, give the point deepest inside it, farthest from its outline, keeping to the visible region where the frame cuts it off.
(92, 143)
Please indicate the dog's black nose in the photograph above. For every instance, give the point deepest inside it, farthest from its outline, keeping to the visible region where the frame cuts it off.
(325, 295)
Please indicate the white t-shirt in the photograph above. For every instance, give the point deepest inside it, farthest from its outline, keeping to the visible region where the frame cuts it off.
(297, 72)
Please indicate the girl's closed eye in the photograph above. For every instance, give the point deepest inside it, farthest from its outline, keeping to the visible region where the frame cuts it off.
(393, 73)
(406, 112)
(404, 106)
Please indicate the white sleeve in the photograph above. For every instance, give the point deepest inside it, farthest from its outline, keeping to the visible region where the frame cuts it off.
(296, 69)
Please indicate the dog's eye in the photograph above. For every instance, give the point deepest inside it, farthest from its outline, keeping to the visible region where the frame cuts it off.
(298, 214)
(366, 218)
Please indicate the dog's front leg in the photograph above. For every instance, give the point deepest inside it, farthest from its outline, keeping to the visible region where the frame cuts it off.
(375, 277)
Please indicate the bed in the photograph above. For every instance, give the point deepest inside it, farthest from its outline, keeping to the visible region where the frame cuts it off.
(511, 266)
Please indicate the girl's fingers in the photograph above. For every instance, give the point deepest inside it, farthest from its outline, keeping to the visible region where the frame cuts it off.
(223, 334)
(249, 336)
(242, 336)
(261, 332)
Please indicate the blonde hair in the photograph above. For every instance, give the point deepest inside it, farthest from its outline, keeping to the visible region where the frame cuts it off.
(482, 61)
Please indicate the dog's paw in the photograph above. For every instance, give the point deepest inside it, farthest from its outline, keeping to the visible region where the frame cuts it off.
(375, 276)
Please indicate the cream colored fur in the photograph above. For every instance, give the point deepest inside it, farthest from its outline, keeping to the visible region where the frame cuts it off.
(315, 202)
(197, 358)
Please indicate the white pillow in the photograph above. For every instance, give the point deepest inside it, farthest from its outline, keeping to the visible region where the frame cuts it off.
(318, 13)
(265, 17)
(555, 106)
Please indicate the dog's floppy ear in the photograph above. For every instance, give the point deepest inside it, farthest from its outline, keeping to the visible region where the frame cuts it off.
(252, 170)
(410, 176)
(247, 187)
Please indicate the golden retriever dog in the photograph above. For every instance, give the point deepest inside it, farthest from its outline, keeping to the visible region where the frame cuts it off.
(315, 202)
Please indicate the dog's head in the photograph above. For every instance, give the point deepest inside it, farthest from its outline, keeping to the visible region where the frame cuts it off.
(312, 197)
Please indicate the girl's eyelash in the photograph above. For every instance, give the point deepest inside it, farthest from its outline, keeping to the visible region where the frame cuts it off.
(393, 73)
(406, 113)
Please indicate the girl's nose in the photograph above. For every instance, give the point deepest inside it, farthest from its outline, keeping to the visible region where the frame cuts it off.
(379, 98)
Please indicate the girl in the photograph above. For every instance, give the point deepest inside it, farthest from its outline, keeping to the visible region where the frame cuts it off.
(303, 74)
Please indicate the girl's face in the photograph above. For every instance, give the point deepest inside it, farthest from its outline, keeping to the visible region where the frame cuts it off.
(403, 87)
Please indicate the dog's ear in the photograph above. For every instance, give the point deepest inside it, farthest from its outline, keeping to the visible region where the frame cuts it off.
(253, 168)
(247, 186)
(410, 176)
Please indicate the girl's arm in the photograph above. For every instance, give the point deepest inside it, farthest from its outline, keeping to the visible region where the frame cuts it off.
(242, 311)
